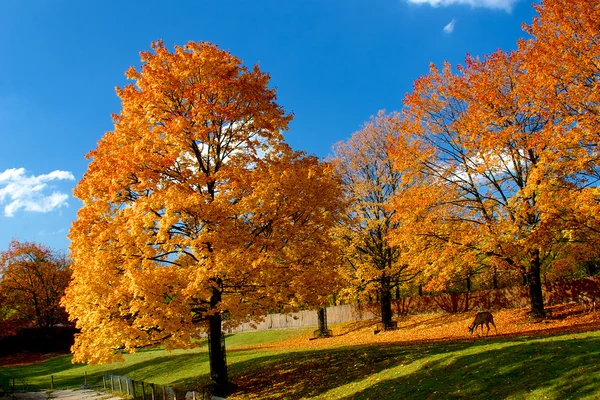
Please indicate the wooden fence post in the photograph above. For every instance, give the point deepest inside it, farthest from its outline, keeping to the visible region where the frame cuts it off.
(143, 391)
(133, 388)
(120, 385)
(153, 394)
(112, 384)
(51, 382)
(104, 381)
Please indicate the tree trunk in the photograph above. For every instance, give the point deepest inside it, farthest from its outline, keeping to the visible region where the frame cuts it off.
(385, 301)
(216, 346)
(591, 267)
(322, 320)
(535, 287)
(495, 279)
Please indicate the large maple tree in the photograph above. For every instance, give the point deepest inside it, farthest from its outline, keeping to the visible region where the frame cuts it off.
(195, 211)
(372, 267)
(493, 173)
(563, 77)
(33, 279)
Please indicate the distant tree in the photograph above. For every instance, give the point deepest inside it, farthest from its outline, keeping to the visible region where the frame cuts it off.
(371, 266)
(195, 211)
(33, 279)
(563, 76)
(494, 178)
(8, 326)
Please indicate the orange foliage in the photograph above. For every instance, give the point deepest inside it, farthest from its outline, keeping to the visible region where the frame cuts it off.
(563, 78)
(371, 265)
(502, 156)
(33, 279)
(195, 209)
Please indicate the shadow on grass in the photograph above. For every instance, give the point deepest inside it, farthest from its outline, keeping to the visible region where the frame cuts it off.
(492, 368)
(46, 367)
(356, 326)
(169, 367)
(560, 368)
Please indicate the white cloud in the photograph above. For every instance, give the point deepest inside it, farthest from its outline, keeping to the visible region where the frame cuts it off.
(450, 26)
(31, 193)
(505, 5)
(44, 232)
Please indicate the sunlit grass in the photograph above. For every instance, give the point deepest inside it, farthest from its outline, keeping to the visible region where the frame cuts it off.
(553, 367)
(179, 368)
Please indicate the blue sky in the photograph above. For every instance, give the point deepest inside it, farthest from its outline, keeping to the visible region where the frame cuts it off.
(334, 64)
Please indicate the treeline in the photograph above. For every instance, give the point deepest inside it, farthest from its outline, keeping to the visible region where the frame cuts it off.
(489, 174)
(33, 279)
(555, 293)
(58, 339)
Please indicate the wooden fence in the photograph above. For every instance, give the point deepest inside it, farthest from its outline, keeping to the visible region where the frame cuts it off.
(121, 385)
(132, 389)
(559, 292)
(10, 383)
(343, 313)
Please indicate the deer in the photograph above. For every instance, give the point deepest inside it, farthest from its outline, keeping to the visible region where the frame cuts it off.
(588, 300)
(481, 318)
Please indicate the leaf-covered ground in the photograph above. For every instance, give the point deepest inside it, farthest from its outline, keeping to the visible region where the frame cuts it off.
(429, 327)
(435, 327)
(416, 355)
(429, 357)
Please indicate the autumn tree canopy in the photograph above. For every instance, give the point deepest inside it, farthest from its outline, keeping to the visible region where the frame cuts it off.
(474, 161)
(502, 156)
(563, 77)
(195, 209)
(371, 265)
(33, 279)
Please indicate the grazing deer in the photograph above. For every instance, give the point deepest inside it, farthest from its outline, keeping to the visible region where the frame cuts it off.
(481, 318)
(588, 300)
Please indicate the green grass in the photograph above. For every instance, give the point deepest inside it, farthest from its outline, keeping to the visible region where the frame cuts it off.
(552, 367)
(182, 369)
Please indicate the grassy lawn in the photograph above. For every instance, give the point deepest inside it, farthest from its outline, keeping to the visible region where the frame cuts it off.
(183, 369)
(284, 364)
(560, 367)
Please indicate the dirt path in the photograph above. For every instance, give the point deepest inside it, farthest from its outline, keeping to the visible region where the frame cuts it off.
(83, 394)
